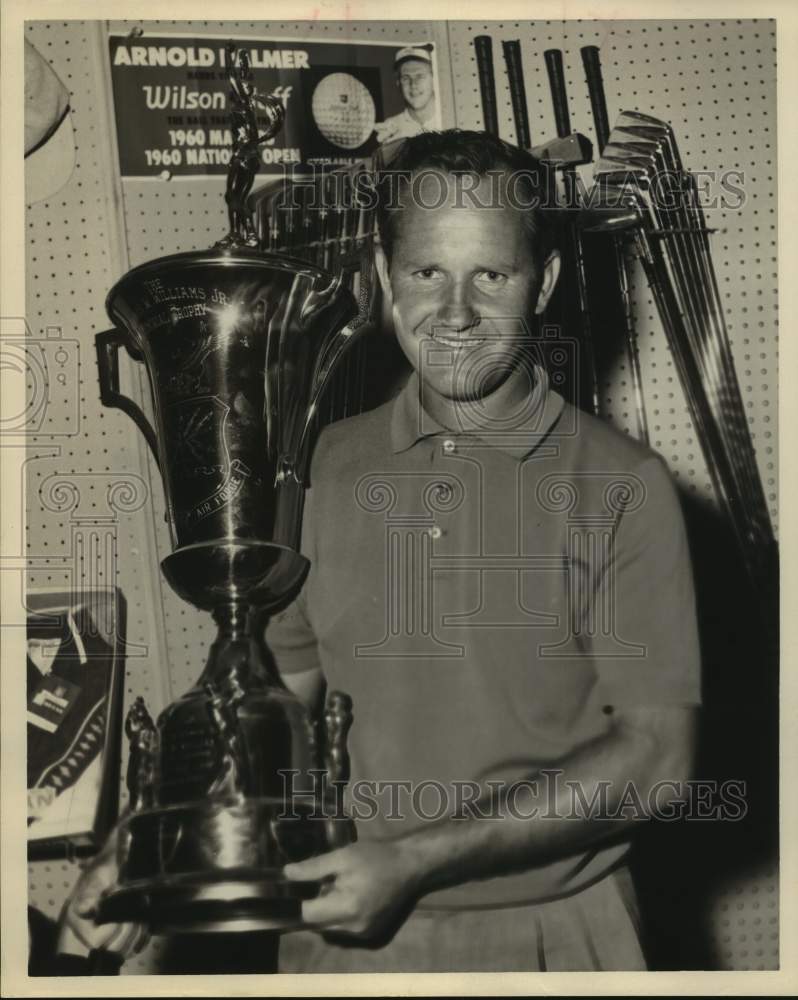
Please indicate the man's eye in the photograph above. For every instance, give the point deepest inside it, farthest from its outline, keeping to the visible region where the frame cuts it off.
(493, 277)
(426, 272)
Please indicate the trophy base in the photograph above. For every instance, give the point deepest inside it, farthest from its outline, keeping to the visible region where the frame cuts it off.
(233, 902)
(217, 865)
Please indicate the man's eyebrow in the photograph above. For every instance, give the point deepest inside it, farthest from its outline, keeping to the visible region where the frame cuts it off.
(418, 261)
(504, 264)
(509, 264)
(501, 264)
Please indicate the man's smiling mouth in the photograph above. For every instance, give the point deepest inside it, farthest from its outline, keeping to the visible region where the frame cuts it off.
(457, 341)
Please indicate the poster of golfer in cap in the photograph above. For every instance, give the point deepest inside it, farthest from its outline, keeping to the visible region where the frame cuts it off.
(342, 100)
(415, 79)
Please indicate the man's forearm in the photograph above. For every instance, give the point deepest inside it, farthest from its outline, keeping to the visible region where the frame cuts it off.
(370, 882)
(540, 822)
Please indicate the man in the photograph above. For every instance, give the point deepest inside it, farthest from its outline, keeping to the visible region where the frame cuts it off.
(502, 585)
(413, 68)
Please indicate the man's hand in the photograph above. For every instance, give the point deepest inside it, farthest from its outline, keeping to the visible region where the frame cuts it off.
(367, 889)
(78, 933)
(385, 131)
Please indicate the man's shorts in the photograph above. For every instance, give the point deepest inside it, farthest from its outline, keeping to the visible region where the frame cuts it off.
(595, 929)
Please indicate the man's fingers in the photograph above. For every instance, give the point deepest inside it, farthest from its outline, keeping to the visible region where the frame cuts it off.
(109, 848)
(325, 911)
(71, 941)
(127, 939)
(88, 896)
(123, 939)
(142, 940)
(85, 903)
(94, 881)
(312, 868)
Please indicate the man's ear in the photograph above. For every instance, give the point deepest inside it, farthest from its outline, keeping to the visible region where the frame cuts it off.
(551, 272)
(381, 263)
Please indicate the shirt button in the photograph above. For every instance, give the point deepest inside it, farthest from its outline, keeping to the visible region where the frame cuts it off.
(449, 446)
(435, 532)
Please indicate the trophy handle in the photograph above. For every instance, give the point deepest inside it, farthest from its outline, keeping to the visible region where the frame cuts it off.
(357, 261)
(340, 830)
(350, 264)
(108, 344)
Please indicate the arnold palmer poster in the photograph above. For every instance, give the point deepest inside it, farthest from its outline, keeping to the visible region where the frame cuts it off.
(171, 100)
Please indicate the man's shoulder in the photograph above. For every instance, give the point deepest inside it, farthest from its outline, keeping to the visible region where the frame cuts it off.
(397, 119)
(351, 443)
(598, 444)
(610, 465)
(399, 126)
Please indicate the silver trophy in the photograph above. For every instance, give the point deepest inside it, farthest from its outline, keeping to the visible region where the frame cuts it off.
(238, 347)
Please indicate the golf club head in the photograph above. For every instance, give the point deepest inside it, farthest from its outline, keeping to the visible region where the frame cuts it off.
(610, 208)
(615, 158)
(638, 118)
(655, 128)
(635, 153)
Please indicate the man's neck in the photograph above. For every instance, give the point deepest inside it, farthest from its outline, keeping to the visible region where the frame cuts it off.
(487, 413)
(425, 115)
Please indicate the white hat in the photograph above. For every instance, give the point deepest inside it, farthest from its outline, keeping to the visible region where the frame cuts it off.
(411, 52)
(49, 138)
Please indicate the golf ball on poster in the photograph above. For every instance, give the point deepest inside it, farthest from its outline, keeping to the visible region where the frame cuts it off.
(343, 110)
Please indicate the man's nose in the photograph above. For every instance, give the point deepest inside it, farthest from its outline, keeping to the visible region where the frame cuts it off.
(456, 309)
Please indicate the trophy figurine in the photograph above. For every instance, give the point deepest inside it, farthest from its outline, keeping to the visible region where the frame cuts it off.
(234, 780)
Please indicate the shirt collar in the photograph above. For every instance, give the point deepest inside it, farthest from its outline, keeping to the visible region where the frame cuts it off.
(517, 434)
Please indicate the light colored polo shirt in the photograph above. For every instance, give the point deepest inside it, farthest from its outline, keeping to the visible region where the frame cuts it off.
(401, 126)
(484, 594)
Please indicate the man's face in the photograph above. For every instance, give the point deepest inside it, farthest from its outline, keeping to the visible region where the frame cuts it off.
(463, 287)
(415, 81)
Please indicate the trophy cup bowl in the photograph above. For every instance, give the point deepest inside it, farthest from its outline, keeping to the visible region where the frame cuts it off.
(238, 347)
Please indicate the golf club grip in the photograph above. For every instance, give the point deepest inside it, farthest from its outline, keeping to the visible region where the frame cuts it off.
(515, 74)
(559, 97)
(595, 87)
(487, 83)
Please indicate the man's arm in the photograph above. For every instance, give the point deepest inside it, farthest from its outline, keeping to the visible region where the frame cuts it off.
(374, 881)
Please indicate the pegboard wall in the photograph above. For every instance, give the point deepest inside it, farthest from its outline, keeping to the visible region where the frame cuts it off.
(714, 80)
(89, 516)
